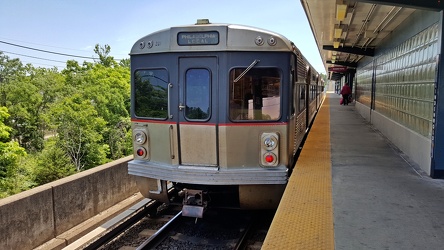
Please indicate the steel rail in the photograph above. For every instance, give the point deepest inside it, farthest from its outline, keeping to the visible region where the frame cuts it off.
(160, 234)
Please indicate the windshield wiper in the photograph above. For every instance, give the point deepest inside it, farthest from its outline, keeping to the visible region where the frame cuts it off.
(246, 70)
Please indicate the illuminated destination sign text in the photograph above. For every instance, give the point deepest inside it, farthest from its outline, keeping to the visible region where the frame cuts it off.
(198, 38)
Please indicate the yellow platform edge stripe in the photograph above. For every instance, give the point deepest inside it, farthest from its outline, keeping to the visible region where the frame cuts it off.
(304, 218)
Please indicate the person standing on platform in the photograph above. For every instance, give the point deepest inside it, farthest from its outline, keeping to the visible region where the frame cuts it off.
(345, 92)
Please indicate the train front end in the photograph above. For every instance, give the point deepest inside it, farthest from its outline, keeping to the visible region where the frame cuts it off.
(209, 109)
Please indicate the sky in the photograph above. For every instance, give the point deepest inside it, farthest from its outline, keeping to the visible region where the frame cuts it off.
(74, 27)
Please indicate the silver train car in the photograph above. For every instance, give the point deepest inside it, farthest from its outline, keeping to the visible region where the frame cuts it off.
(219, 111)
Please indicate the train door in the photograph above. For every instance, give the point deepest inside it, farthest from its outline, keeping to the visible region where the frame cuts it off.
(198, 111)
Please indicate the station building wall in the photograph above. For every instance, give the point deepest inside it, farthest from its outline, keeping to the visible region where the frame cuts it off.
(395, 88)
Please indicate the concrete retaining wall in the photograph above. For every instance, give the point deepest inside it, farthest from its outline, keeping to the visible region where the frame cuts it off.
(36, 216)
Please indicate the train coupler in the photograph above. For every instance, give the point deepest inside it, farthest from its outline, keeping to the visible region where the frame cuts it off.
(194, 204)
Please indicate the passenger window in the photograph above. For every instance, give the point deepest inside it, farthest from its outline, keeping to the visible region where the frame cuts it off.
(197, 94)
(302, 98)
(151, 93)
(256, 95)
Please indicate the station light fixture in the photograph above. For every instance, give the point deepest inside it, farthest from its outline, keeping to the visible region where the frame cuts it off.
(341, 11)
(337, 31)
(336, 43)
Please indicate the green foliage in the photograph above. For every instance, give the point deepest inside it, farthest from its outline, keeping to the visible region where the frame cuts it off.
(108, 91)
(125, 63)
(4, 130)
(9, 70)
(52, 164)
(120, 139)
(103, 53)
(53, 124)
(10, 153)
(79, 129)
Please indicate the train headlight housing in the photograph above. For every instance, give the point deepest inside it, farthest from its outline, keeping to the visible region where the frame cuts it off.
(272, 41)
(270, 142)
(139, 137)
(259, 41)
(141, 142)
(269, 149)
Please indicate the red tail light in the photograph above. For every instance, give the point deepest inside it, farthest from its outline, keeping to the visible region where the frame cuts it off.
(141, 152)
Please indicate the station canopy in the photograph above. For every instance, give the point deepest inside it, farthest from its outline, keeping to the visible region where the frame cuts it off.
(347, 31)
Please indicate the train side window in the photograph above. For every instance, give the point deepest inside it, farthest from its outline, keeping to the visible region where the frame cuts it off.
(302, 98)
(256, 95)
(197, 94)
(293, 87)
(151, 93)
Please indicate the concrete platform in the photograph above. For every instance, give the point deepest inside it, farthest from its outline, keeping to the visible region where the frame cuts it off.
(379, 199)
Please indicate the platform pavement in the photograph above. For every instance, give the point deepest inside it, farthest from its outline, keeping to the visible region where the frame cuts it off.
(380, 199)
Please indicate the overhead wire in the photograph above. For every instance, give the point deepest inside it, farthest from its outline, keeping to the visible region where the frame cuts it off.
(57, 47)
(39, 44)
(35, 57)
(47, 51)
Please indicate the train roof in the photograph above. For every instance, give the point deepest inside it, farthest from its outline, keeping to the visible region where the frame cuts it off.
(205, 36)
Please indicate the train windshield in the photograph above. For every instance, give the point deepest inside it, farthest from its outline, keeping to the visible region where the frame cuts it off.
(256, 95)
(151, 93)
(197, 94)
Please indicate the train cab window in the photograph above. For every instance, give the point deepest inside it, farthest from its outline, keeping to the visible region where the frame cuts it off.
(151, 93)
(197, 94)
(256, 95)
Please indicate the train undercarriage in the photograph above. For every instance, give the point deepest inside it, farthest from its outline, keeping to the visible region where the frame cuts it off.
(195, 199)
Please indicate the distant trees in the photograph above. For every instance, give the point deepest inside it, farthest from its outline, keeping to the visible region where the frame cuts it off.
(53, 124)
(10, 153)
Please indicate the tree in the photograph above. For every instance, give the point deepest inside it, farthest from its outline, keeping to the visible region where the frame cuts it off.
(10, 153)
(52, 164)
(9, 70)
(111, 100)
(66, 121)
(106, 86)
(103, 53)
(9, 150)
(120, 139)
(125, 63)
(79, 131)
(28, 99)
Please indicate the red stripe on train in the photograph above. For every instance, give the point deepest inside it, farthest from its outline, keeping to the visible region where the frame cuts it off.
(214, 124)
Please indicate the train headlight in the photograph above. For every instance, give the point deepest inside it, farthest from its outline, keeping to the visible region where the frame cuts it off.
(270, 143)
(269, 149)
(139, 137)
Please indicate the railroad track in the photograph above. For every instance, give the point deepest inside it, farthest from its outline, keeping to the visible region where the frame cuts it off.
(219, 229)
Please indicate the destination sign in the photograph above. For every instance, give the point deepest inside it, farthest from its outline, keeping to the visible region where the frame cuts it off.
(198, 38)
(338, 69)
